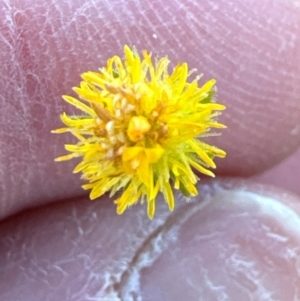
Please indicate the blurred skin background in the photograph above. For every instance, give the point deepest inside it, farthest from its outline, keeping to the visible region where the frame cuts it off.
(239, 240)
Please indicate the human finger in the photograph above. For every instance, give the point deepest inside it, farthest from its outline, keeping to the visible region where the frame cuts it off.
(251, 52)
(233, 240)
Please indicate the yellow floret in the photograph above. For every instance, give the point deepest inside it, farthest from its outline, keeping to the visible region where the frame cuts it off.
(141, 130)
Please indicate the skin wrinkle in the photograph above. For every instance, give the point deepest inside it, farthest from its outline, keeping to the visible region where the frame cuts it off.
(74, 253)
(152, 248)
(236, 264)
(6, 46)
(288, 169)
(246, 126)
(45, 64)
(81, 266)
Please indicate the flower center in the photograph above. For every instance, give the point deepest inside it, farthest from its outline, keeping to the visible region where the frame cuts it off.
(137, 128)
(123, 125)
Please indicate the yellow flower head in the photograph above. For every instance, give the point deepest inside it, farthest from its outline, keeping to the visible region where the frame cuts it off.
(140, 130)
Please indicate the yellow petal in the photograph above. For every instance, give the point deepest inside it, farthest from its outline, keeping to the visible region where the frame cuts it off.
(102, 186)
(79, 105)
(203, 155)
(169, 196)
(208, 85)
(76, 121)
(130, 153)
(61, 131)
(122, 202)
(66, 157)
(144, 171)
(201, 168)
(93, 77)
(151, 208)
(154, 154)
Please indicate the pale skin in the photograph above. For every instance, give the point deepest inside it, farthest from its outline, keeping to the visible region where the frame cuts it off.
(68, 248)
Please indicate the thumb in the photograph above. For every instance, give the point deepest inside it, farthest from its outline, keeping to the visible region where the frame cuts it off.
(232, 242)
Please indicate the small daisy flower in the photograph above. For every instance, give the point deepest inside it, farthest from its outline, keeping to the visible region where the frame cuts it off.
(140, 131)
